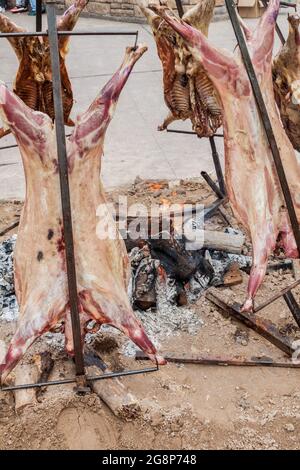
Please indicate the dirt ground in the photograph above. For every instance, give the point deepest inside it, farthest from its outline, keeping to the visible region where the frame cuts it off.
(183, 406)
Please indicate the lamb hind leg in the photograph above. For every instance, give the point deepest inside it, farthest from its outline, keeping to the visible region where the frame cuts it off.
(169, 119)
(119, 314)
(32, 325)
(263, 246)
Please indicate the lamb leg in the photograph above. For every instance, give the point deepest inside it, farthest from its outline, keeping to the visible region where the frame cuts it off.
(91, 125)
(262, 246)
(8, 26)
(29, 127)
(35, 320)
(169, 119)
(68, 21)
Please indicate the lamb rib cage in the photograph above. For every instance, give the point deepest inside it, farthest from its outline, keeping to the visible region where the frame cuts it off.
(188, 91)
(33, 82)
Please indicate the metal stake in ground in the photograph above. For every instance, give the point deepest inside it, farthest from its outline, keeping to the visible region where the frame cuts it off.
(39, 9)
(265, 120)
(64, 187)
(179, 8)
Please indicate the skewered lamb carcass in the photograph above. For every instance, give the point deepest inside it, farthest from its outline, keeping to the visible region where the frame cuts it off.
(101, 259)
(33, 83)
(188, 91)
(252, 183)
(286, 78)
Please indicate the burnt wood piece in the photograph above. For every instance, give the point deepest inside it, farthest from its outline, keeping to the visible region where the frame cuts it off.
(115, 395)
(44, 364)
(261, 326)
(144, 292)
(178, 262)
(233, 275)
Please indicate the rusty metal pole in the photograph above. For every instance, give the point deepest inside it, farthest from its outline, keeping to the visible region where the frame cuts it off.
(179, 8)
(65, 190)
(38, 18)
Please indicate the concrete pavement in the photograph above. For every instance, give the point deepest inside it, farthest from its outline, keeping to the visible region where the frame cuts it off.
(133, 146)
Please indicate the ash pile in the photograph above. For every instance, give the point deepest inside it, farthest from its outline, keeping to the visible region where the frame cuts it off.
(8, 302)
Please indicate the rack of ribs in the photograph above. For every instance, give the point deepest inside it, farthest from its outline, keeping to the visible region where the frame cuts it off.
(33, 82)
(188, 91)
(286, 79)
(101, 259)
(252, 183)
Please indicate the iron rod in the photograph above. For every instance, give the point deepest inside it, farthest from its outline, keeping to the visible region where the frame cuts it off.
(65, 190)
(179, 8)
(277, 296)
(70, 33)
(222, 361)
(212, 184)
(217, 164)
(293, 306)
(93, 378)
(178, 131)
(265, 120)
(9, 228)
(39, 22)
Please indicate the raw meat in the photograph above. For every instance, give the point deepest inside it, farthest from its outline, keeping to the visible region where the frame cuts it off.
(188, 91)
(252, 183)
(101, 259)
(286, 78)
(33, 83)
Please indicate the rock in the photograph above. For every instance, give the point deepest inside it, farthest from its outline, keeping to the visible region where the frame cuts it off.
(174, 184)
(241, 336)
(138, 180)
(289, 427)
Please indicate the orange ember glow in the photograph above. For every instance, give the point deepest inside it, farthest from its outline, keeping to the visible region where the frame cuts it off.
(165, 202)
(156, 186)
(162, 273)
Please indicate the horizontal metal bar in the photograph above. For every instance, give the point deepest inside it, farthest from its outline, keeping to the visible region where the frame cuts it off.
(92, 378)
(277, 296)
(177, 131)
(71, 33)
(222, 361)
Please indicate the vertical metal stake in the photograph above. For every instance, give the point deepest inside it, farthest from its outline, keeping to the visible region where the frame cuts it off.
(179, 8)
(217, 164)
(38, 18)
(64, 187)
(293, 306)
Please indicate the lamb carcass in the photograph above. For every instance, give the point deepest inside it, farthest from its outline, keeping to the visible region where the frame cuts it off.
(286, 78)
(188, 91)
(33, 83)
(252, 183)
(101, 258)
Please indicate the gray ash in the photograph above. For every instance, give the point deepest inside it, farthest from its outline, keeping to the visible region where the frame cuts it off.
(8, 302)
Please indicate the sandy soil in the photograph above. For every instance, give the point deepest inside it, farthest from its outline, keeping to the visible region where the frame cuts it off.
(183, 406)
